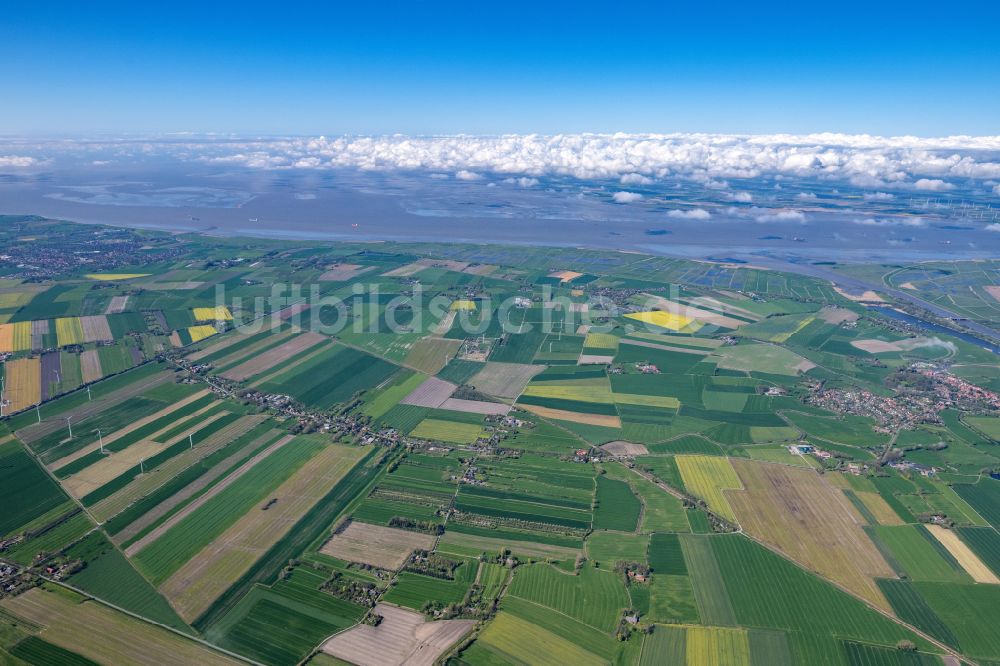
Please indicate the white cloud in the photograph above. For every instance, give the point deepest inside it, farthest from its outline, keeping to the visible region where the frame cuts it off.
(879, 196)
(933, 185)
(523, 181)
(635, 179)
(711, 159)
(806, 196)
(742, 197)
(996, 190)
(767, 215)
(693, 214)
(891, 222)
(993, 227)
(18, 161)
(467, 175)
(626, 197)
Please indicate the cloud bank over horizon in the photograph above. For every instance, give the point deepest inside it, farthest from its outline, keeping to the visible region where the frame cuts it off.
(924, 165)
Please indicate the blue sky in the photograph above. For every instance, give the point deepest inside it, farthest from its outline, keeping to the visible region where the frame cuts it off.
(484, 68)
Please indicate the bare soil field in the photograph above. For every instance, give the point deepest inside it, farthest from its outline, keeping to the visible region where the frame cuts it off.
(431, 393)
(797, 512)
(595, 359)
(403, 637)
(623, 448)
(193, 506)
(864, 297)
(876, 346)
(343, 272)
(39, 329)
(835, 315)
(992, 290)
(117, 305)
(106, 636)
(96, 329)
(90, 366)
(704, 316)
(274, 356)
(565, 415)
(193, 587)
(480, 269)
(246, 351)
(377, 545)
(475, 406)
(504, 380)
(319, 349)
(411, 269)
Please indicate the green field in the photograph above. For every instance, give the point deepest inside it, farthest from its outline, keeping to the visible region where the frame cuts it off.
(593, 597)
(617, 507)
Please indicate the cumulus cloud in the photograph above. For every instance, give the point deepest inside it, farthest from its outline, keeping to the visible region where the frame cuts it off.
(465, 174)
(879, 196)
(18, 161)
(713, 160)
(996, 190)
(635, 179)
(933, 185)
(993, 227)
(806, 196)
(523, 181)
(742, 197)
(693, 214)
(766, 215)
(626, 197)
(891, 222)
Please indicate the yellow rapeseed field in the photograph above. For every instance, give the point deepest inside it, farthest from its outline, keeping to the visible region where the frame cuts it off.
(463, 305)
(69, 331)
(201, 332)
(218, 313)
(674, 322)
(706, 477)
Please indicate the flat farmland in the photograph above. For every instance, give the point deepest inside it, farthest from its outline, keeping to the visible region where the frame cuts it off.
(274, 356)
(156, 504)
(913, 552)
(602, 420)
(707, 477)
(379, 546)
(504, 380)
(105, 635)
(448, 431)
(22, 384)
(429, 355)
(194, 586)
(160, 559)
(69, 331)
(812, 522)
(90, 366)
(430, 393)
(15, 337)
(593, 597)
(965, 557)
(509, 639)
(142, 485)
(26, 492)
(717, 645)
(617, 507)
(402, 637)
